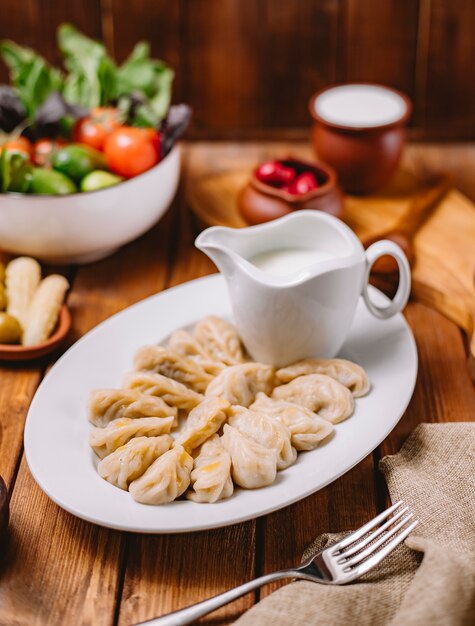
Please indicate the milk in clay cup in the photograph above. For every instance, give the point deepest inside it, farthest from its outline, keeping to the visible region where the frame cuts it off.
(294, 283)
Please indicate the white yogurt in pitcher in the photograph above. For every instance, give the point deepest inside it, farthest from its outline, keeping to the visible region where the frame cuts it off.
(285, 261)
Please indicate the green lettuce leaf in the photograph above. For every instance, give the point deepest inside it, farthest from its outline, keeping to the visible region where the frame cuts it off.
(15, 171)
(141, 86)
(150, 78)
(33, 78)
(91, 78)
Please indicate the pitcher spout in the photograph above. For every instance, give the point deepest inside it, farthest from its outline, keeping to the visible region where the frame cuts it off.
(213, 243)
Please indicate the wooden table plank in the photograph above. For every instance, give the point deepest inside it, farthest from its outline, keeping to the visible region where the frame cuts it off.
(137, 271)
(58, 569)
(168, 572)
(17, 387)
(444, 390)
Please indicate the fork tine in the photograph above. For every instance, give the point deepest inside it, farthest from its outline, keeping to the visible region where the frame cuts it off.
(374, 546)
(372, 536)
(364, 529)
(381, 554)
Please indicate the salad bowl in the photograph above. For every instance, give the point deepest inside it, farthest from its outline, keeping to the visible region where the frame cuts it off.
(87, 226)
(88, 156)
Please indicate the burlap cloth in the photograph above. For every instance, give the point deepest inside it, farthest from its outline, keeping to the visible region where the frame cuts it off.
(431, 579)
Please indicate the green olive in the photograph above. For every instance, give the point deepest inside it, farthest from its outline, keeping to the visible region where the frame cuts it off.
(3, 298)
(98, 179)
(76, 161)
(50, 182)
(10, 329)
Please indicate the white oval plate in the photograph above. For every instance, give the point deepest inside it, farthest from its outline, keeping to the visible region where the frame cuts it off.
(57, 429)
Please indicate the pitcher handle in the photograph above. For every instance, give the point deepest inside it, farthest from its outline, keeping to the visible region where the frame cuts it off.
(379, 249)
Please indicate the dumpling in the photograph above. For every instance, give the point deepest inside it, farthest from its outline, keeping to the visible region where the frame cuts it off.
(268, 432)
(131, 460)
(202, 422)
(165, 480)
(211, 476)
(118, 432)
(168, 363)
(306, 428)
(319, 393)
(220, 339)
(239, 384)
(106, 405)
(349, 374)
(183, 343)
(171, 391)
(252, 465)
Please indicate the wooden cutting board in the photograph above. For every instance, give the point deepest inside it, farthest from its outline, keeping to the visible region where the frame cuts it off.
(444, 272)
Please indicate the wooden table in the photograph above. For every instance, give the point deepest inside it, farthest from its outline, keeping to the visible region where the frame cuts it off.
(59, 570)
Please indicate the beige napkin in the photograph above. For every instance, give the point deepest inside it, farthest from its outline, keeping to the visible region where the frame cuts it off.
(428, 581)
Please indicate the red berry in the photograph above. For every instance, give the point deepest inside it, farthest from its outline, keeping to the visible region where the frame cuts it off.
(274, 173)
(303, 184)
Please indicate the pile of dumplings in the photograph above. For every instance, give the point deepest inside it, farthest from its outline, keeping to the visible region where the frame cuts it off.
(234, 421)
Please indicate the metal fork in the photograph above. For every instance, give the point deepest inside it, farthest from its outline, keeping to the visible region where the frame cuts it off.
(338, 564)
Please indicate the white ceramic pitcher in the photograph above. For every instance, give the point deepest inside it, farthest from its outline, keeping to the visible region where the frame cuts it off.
(307, 313)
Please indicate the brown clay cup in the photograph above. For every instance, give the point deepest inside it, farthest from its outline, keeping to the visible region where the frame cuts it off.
(259, 202)
(366, 155)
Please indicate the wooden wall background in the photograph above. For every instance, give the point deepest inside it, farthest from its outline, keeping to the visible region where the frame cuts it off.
(248, 67)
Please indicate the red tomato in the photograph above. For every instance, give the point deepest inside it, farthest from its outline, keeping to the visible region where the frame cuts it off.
(44, 150)
(94, 129)
(20, 144)
(130, 151)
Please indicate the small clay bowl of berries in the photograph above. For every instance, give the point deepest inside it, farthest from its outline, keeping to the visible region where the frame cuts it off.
(277, 188)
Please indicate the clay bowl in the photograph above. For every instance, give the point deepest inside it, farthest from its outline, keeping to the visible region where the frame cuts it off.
(259, 202)
(28, 353)
(366, 150)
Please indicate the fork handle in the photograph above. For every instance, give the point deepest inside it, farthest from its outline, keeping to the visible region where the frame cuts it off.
(195, 611)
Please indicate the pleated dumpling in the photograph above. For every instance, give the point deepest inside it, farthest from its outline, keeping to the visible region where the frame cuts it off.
(239, 384)
(202, 422)
(252, 465)
(211, 476)
(118, 432)
(165, 480)
(183, 343)
(171, 391)
(106, 405)
(349, 374)
(131, 460)
(319, 393)
(307, 429)
(220, 339)
(169, 363)
(269, 432)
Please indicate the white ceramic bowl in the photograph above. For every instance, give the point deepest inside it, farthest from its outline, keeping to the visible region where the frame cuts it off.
(85, 227)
